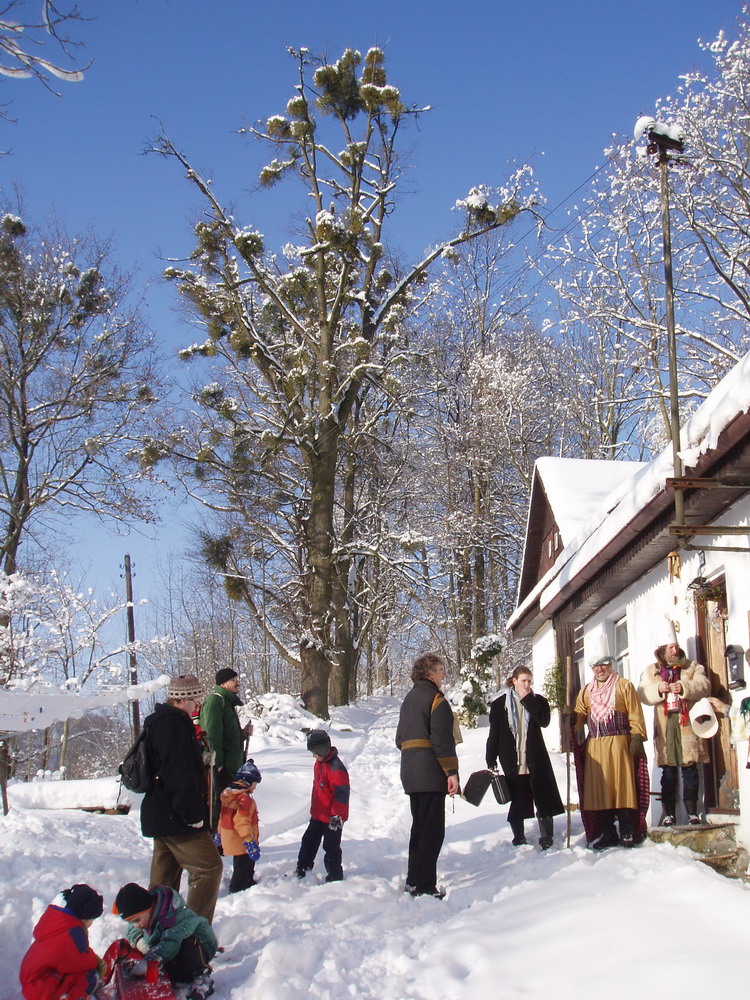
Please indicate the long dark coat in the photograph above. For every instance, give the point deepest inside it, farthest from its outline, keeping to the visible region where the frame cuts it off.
(501, 745)
(179, 795)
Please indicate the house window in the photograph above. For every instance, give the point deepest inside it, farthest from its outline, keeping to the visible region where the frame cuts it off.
(578, 655)
(621, 646)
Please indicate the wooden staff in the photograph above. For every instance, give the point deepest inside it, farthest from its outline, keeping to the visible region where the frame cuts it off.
(568, 735)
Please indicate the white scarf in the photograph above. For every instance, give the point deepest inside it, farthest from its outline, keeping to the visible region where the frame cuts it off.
(512, 702)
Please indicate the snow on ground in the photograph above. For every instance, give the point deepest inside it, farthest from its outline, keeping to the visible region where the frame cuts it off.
(515, 922)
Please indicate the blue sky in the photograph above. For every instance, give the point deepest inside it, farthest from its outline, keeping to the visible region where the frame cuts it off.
(506, 81)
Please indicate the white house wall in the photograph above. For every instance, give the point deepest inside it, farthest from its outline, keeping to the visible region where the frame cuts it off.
(736, 569)
(543, 653)
(543, 659)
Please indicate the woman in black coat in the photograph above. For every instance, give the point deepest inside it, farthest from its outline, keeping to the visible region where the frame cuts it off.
(516, 722)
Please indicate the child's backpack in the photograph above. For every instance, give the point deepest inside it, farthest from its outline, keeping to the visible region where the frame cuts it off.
(136, 771)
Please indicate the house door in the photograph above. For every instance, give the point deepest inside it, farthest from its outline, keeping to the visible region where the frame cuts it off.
(721, 777)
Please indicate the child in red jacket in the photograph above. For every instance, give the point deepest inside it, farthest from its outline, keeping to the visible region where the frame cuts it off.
(60, 962)
(238, 826)
(329, 809)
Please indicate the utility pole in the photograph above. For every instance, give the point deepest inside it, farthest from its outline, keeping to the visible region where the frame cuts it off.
(136, 714)
(664, 141)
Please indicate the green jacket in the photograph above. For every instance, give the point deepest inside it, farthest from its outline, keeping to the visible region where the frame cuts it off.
(171, 922)
(218, 720)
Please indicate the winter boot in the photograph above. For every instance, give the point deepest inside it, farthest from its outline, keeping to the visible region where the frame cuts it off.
(691, 806)
(201, 988)
(625, 822)
(608, 837)
(546, 832)
(519, 837)
(668, 805)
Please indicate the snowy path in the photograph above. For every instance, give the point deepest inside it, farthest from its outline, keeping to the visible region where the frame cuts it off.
(516, 921)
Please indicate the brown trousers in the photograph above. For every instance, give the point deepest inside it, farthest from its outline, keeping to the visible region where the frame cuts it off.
(196, 854)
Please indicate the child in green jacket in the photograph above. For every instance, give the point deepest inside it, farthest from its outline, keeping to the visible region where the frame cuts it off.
(162, 927)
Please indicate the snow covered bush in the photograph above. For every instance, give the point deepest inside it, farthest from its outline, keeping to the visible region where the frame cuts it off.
(477, 674)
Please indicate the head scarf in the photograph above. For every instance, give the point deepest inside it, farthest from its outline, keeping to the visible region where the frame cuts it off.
(602, 699)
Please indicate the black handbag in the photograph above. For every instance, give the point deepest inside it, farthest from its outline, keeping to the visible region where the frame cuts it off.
(480, 781)
(500, 788)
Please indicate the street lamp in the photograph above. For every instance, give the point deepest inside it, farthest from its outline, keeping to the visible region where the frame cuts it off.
(664, 141)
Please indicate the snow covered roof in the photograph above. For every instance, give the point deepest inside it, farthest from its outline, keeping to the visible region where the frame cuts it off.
(607, 522)
(576, 488)
(22, 711)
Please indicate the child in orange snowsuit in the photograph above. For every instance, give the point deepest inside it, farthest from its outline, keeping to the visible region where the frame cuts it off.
(238, 826)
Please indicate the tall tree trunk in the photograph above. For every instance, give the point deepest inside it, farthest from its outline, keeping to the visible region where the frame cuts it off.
(46, 749)
(345, 663)
(315, 644)
(479, 583)
(4, 772)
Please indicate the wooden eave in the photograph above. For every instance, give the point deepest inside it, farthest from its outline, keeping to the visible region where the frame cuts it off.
(541, 517)
(646, 539)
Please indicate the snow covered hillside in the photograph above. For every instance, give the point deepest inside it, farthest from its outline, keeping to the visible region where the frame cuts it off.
(515, 922)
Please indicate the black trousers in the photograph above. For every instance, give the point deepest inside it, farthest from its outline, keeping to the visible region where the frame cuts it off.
(690, 780)
(188, 963)
(243, 873)
(311, 838)
(427, 835)
(522, 799)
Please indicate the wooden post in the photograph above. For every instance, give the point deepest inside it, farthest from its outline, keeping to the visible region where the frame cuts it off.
(131, 639)
(568, 736)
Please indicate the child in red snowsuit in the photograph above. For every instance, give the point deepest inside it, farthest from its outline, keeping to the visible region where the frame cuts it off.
(329, 809)
(60, 962)
(238, 826)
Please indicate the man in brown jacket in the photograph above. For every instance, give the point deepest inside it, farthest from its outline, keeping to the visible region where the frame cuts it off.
(673, 684)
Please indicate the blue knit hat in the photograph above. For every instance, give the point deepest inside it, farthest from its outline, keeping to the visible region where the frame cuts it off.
(319, 742)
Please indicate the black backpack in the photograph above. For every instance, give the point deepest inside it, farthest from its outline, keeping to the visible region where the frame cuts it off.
(136, 771)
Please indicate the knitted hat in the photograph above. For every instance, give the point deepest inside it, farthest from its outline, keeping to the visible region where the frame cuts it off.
(226, 674)
(84, 901)
(185, 686)
(319, 742)
(249, 773)
(132, 899)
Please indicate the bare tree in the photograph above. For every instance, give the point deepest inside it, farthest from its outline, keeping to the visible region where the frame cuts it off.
(24, 38)
(77, 379)
(608, 269)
